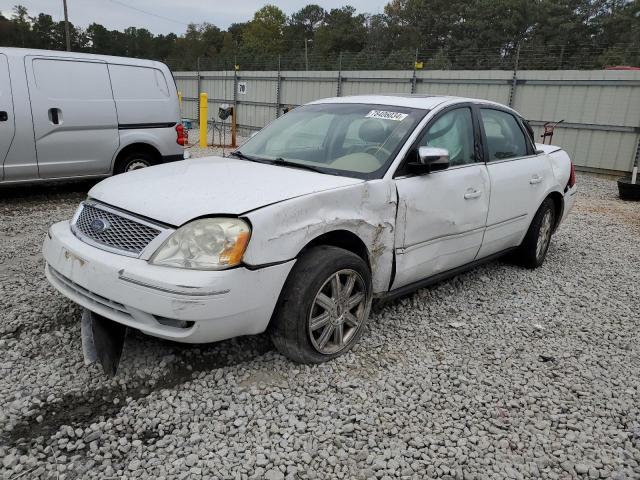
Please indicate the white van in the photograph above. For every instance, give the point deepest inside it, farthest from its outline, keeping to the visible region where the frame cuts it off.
(69, 115)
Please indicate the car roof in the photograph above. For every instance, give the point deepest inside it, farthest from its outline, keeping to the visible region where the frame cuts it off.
(426, 102)
(21, 52)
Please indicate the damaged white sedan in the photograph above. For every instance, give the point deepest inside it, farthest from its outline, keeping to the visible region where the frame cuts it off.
(336, 203)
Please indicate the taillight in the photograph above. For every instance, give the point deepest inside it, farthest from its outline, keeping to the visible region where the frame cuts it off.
(572, 177)
(183, 135)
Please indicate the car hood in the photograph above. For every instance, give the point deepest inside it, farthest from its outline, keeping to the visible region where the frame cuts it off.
(177, 192)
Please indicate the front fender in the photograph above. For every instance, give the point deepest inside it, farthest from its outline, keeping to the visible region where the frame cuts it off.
(368, 210)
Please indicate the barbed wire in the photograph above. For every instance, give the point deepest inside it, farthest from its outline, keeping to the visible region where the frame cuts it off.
(537, 57)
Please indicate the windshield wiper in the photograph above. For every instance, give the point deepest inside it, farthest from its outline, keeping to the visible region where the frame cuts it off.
(278, 161)
(239, 154)
(287, 163)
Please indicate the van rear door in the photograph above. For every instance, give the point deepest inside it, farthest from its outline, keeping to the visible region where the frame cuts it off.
(7, 122)
(74, 116)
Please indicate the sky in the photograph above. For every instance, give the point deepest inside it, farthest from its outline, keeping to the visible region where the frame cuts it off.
(165, 16)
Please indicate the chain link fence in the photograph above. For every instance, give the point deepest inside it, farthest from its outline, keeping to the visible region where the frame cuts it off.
(526, 56)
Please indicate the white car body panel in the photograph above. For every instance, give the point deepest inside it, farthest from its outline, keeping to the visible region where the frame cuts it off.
(412, 227)
(455, 202)
(518, 187)
(177, 192)
(216, 301)
(367, 209)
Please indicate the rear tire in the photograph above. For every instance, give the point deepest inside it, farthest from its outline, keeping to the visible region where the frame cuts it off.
(134, 161)
(324, 305)
(533, 250)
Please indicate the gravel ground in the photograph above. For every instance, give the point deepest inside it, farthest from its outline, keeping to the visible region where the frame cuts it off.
(196, 151)
(497, 373)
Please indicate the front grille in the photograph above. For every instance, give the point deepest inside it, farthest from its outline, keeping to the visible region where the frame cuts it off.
(113, 230)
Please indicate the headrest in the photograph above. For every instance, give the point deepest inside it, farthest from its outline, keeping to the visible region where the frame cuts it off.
(372, 131)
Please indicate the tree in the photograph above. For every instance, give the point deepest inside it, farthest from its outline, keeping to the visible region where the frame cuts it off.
(265, 33)
(22, 26)
(342, 31)
(447, 33)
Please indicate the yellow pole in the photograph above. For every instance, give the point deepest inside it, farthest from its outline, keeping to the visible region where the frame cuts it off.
(203, 119)
(180, 99)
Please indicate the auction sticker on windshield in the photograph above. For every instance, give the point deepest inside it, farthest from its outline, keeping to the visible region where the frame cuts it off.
(385, 115)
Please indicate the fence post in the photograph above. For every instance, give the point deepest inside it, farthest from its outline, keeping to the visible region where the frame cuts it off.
(514, 80)
(235, 89)
(414, 78)
(199, 83)
(339, 88)
(203, 115)
(278, 99)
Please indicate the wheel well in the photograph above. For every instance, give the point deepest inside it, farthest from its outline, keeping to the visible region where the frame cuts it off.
(137, 147)
(342, 239)
(559, 206)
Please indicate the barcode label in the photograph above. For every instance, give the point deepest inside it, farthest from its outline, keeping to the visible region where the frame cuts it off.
(385, 115)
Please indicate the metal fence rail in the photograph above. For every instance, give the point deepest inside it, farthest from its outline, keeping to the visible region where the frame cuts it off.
(600, 108)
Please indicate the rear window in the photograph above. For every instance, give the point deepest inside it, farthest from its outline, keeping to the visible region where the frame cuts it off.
(138, 83)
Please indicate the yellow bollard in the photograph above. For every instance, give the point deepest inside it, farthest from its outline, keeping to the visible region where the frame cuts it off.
(204, 107)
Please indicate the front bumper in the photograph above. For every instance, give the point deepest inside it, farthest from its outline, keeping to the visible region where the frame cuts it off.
(191, 306)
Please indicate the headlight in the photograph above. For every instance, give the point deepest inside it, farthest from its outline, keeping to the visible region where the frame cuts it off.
(206, 244)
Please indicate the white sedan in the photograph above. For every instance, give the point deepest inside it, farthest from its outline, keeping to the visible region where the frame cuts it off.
(336, 203)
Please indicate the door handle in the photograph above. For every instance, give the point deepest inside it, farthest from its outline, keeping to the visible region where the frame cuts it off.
(535, 179)
(473, 194)
(4, 116)
(54, 116)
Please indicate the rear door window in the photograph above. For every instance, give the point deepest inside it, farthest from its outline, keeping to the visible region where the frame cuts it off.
(505, 138)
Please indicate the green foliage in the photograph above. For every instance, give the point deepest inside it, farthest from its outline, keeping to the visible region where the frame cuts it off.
(265, 33)
(444, 34)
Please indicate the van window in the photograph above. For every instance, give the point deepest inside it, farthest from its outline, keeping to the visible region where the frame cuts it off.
(138, 83)
(72, 79)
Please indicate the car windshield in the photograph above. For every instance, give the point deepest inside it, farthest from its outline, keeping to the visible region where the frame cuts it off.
(344, 139)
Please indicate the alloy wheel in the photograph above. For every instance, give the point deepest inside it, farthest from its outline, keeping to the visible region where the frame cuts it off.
(338, 311)
(544, 235)
(136, 165)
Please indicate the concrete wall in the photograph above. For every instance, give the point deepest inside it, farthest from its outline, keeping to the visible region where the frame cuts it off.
(600, 109)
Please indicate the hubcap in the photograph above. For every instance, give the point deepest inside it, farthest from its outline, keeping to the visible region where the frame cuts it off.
(544, 235)
(338, 311)
(136, 165)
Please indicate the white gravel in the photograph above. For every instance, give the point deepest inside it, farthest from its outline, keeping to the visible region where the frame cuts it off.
(497, 373)
(196, 151)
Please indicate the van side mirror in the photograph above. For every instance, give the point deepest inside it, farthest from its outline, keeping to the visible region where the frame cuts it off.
(430, 159)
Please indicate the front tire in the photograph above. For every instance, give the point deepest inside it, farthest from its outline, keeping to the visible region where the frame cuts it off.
(533, 249)
(324, 305)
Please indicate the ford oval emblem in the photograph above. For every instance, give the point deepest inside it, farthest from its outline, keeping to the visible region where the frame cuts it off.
(99, 225)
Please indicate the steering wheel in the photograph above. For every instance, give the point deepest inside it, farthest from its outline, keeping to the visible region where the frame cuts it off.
(375, 151)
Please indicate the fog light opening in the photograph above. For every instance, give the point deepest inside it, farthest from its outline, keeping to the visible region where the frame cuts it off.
(172, 322)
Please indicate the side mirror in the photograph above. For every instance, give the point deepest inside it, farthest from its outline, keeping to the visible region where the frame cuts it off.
(430, 159)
